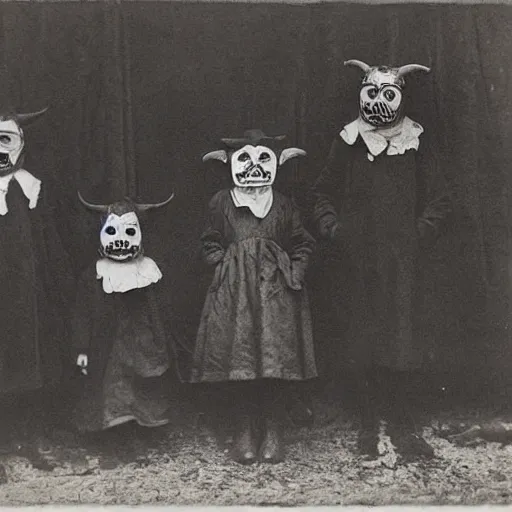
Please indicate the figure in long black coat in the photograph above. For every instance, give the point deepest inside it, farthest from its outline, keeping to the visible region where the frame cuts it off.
(382, 197)
(36, 278)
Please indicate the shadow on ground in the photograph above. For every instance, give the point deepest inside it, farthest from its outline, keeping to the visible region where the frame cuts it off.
(185, 463)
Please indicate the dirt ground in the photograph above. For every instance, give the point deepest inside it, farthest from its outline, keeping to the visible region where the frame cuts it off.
(187, 464)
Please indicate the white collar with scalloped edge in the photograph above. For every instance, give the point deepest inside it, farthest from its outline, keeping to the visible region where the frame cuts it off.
(397, 139)
(122, 277)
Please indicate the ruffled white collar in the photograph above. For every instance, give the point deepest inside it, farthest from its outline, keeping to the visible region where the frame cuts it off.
(122, 277)
(397, 140)
(29, 184)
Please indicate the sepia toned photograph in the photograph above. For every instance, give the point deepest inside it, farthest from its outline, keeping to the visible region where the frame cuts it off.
(255, 253)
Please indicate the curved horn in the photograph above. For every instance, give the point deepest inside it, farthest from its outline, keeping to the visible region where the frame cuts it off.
(95, 207)
(29, 118)
(145, 207)
(359, 64)
(288, 153)
(216, 155)
(409, 68)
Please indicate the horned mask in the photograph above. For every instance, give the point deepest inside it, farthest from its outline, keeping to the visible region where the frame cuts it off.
(254, 158)
(121, 234)
(381, 94)
(12, 141)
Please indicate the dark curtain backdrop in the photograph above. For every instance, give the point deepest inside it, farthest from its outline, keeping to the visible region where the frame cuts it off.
(139, 91)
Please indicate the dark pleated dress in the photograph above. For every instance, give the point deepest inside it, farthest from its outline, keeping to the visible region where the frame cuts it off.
(256, 319)
(127, 348)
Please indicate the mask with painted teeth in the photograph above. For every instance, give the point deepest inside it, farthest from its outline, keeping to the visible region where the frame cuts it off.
(121, 237)
(254, 166)
(121, 234)
(11, 145)
(381, 94)
(12, 141)
(254, 159)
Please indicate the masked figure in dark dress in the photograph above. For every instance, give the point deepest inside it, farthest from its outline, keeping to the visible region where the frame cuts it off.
(119, 339)
(255, 330)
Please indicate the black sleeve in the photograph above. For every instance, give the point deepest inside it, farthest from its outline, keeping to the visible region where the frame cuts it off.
(436, 203)
(302, 246)
(212, 239)
(82, 317)
(326, 188)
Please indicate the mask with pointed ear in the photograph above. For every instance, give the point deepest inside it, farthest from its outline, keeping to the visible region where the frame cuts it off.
(289, 153)
(256, 166)
(381, 94)
(121, 233)
(254, 158)
(216, 155)
(12, 141)
(121, 236)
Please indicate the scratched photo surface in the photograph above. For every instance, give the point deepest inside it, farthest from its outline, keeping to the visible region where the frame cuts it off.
(255, 253)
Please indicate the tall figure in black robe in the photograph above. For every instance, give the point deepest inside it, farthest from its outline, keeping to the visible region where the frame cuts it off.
(381, 198)
(37, 281)
(255, 329)
(118, 335)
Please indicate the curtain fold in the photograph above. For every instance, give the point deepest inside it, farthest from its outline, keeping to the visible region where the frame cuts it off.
(140, 90)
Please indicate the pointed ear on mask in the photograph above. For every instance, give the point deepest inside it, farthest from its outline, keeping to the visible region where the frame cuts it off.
(289, 153)
(216, 155)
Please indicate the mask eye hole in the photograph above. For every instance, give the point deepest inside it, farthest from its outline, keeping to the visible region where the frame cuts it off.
(5, 139)
(243, 157)
(110, 230)
(264, 157)
(389, 94)
(372, 93)
(130, 231)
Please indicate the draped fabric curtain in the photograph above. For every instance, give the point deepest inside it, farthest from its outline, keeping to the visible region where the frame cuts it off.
(138, 91)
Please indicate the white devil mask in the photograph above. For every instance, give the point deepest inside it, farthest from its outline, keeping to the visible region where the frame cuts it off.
(381, 94)
(121, 237)
(11, 158)
(254, 159)
(12, 141)
(253, 166)
(11, 144)
(121, 234)
(124, 267)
